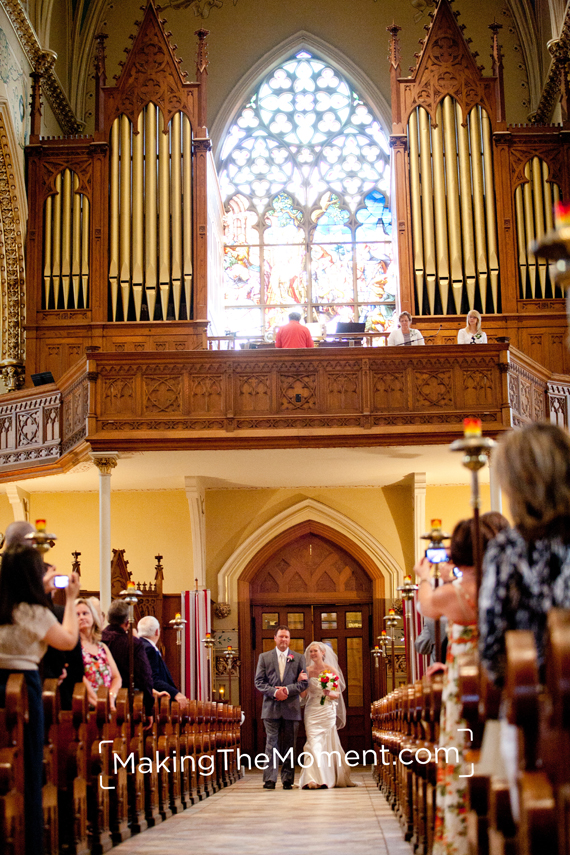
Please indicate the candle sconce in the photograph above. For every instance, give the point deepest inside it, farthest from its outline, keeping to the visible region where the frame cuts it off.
(178, 623)
(408, 591)
(209, 643)
(40, 539)
(391, 621)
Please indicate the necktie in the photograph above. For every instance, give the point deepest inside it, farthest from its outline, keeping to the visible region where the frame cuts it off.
(281, 666)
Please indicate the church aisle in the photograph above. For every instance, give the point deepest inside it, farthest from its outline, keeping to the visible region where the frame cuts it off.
(247, 820)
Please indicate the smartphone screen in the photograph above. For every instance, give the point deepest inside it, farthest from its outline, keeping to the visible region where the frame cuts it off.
(61, 581)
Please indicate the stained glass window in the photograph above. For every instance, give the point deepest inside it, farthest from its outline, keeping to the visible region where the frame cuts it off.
(305, 178)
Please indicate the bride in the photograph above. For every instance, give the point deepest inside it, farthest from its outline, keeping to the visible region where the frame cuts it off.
(322, 721)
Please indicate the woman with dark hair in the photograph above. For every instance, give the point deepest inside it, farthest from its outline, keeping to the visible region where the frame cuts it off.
(27, 627)
(526, 571)
(457, 601)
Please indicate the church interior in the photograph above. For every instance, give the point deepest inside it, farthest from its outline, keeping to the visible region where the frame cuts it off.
(175, 180)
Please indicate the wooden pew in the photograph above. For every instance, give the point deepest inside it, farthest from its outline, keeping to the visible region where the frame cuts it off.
(13, 714)
(50, 699)
(72, 757)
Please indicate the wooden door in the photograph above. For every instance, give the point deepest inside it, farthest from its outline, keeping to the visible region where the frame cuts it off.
(346, 629)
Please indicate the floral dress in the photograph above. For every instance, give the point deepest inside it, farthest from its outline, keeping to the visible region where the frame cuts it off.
(452, 790)
(97, 668)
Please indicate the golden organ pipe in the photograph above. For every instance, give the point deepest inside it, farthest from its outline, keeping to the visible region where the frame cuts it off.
(66, 236)
(529, 227)
(466, 208)
(454, 218)
(521, 237)
(85, 251)
(114, 217)
(492, 249)
(538, 188)
(56, 244)
(163, 214)
(176, 211)
(427, 206)
(478, 203)
(416, 200)
(440, 208)
(187, 214)
(548, 206)
(138, 221)
(555, 201)
(125, 215)
(76, 250)
(47, 248)
(150, 208)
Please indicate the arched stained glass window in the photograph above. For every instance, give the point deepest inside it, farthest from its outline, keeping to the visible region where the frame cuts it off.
(305, 178)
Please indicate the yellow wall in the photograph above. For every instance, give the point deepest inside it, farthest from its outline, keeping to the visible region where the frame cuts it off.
(452, 504)
(233, 515)
(144, 524)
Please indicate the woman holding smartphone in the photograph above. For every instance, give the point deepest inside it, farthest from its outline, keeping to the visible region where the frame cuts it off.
(27, 627)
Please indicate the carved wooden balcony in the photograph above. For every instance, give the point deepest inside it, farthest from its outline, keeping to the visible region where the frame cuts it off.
(272, 399)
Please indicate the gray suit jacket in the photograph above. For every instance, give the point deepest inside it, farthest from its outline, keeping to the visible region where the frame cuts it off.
(267, 679)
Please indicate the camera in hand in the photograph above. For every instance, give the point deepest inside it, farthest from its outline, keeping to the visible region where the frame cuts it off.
(436, 554)
(61, 581)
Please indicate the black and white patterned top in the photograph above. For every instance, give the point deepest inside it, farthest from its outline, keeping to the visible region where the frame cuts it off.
(521, 582)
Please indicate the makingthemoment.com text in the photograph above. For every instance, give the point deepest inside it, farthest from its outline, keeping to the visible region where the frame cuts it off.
(206, 763)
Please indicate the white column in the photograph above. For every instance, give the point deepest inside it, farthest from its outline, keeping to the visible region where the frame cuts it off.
(419, 484)
(105, 462)
(196, 495)
(20, 501)
(495, 490)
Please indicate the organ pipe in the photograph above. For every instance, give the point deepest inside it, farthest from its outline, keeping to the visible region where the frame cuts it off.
(76, 254)
(440, 207)
(125, 215)
(176, 213)
(114, 218)
(427, 206)
(48, 215)
(187, 222)
(538, 193)
(478, 202)
(66, 236)
(151, 273)
(490, 213)
(417, 234)
(56, 244)
(164, 215)
(453, 205)
(466, 207)
(529, 227)
(138, 218)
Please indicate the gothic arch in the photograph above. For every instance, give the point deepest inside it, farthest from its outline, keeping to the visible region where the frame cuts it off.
(299, 41)
(380, 565)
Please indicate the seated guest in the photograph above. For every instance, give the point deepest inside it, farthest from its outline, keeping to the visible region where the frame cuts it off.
(148, 629)
(294, 334)
(27, 626)
(526, 570)
(116, 638)
(64, 666)
(100, 667)
(405, 335)
(472, 332)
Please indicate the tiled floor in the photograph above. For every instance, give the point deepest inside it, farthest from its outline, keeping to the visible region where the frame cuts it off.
(245, 819)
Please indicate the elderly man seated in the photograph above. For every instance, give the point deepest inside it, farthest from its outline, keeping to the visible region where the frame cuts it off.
(148, 629)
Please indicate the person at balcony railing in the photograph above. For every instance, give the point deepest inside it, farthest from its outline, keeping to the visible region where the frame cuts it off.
(405, 335)
(472, 332)
(27, 626)
(457, 602)
(294, 334)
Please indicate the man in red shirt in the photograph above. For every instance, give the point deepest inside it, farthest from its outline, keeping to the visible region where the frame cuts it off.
(293, 334)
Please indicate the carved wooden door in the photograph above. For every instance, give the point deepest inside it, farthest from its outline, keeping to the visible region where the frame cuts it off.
(321, 592)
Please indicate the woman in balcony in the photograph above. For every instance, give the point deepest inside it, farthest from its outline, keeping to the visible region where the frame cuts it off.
(472, 332)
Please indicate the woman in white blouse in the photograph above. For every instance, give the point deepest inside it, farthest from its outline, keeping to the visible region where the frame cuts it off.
(27, 626)
(472, 332)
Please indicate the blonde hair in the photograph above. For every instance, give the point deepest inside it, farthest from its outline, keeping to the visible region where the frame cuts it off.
(96, 628)
(473, 313)
(533, 468)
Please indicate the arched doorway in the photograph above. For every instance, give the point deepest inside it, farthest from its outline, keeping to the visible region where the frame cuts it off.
(324, 587)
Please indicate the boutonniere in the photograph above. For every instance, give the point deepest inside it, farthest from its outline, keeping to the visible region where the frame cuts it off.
(290, 657)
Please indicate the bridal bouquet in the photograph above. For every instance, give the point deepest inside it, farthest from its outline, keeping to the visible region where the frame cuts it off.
(328, 680)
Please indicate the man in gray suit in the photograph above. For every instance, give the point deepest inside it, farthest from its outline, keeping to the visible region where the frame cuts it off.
(281, 678)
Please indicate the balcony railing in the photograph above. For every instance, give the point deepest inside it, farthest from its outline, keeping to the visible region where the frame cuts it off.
(272, 398)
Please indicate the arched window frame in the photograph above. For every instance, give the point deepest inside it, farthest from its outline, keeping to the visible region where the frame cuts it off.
(378, 106)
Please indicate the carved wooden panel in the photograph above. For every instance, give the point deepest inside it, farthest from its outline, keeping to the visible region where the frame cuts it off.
(311, 564)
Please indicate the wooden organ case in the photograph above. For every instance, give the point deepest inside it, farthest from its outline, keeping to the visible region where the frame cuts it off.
(471, 193)
(117, 234)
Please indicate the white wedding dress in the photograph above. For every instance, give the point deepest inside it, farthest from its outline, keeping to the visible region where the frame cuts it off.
(327, 769)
